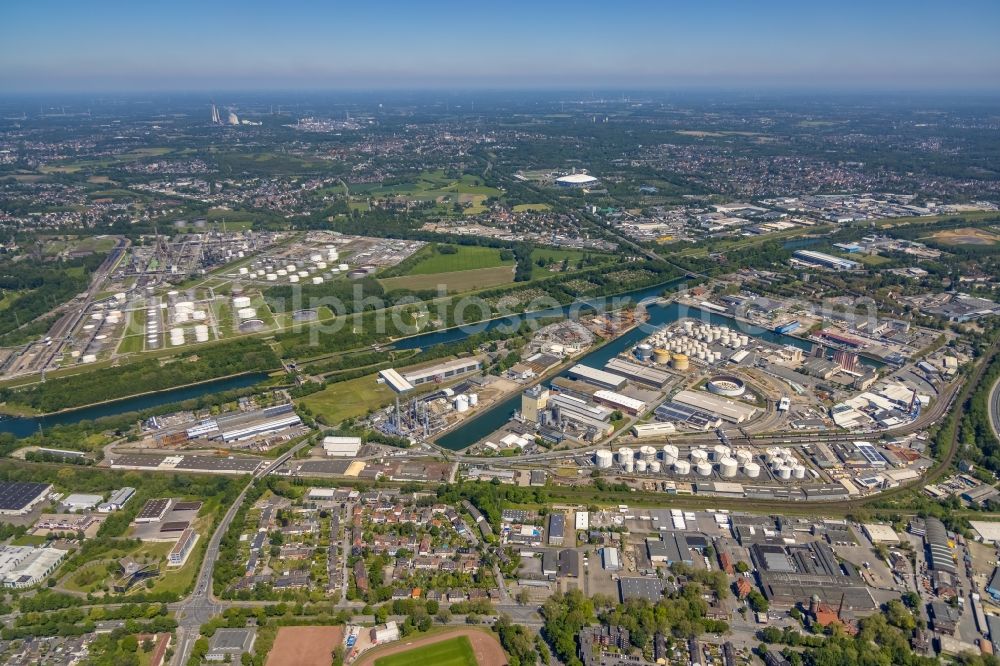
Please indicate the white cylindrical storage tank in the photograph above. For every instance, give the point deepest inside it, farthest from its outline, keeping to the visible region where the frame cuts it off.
(303, 274)
(629, 466)
(473, 399)
(744, 340)
(244, 270)
(647, 453)
(799, 471)
(603, 458)
(773, 453)
(199, 315)
(89, 358)
(698, 455)
(182, 316)
(728, 467)
(743, 457)
(669, 454)
(317, 280)
(784, 472)
(291, 268)
(682, 467)
(641, 465)
(654, 467)
(282, 272)
(184, 306)
(719, 451)
(625, 453)
(321, 265)
(246, 313)
(201, 333)
(461, 403)
(271, 277)
(342, 267)
(315, 257)
(704, 468)
(293, 278)
(752, 470)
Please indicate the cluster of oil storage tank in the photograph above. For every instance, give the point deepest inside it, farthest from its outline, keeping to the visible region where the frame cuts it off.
(783, 463)
(322, 262)
(691, 339)
(701, 461)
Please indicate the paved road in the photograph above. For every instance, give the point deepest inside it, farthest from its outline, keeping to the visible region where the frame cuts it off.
(202, 605)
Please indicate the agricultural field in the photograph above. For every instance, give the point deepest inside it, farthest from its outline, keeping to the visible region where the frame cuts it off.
(453, 281)
(967, 236)
(465, 258)
(532, 208)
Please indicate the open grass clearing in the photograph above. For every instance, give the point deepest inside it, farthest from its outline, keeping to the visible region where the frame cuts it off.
(466, 257)
(454, 281)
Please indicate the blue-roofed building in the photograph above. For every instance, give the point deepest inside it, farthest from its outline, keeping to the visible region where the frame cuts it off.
(993, 587)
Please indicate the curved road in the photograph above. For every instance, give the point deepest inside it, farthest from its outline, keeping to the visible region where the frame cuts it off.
(995, 408)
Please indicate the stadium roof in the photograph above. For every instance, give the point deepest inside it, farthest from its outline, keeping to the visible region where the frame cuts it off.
(576, 179)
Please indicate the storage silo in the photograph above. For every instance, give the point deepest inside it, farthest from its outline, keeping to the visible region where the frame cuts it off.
(641, 465)
(784, 472)
(647, 453)
(682, 467)
(728, 467)
(661, 356)
(625, 454)
(461, 403)
(799, 471)
(201, 333)
(698, 455)
(743, 456)
(752, 470)
(669, 454)
(704, 468)
(603, 458)
(655, 467)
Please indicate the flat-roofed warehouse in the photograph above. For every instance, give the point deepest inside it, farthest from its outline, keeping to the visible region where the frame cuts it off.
(596, 377)
(19, 497)
(878, 533)
(442, 371)
(619, 401)
(342, 447)
(639, 373)
(650, 589)
(728, 410)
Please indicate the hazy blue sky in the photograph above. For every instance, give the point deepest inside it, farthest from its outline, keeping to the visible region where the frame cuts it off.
(49, 45)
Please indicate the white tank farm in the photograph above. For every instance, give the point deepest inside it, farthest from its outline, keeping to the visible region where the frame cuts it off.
(184, 306)
(647, 453)
(629, 466)
(603, 458)
(246, 313)
(282, 272)
(704, 468)
(199, 315)
(182, 316)
(669, 454)
(728, 467)
(641, 465)
(698, 455)
(461, 403)
(682, 467)
(655, 467)
(244, 270)
(291, 268)
(799, 471)
(342, 267)
(320, 265)
(772, 454)
(625, 453)
(719, 451)
(271, 277)
(784, 472)
(201, 333)
(752, 470)
(88, 358)
(473, 399)
(315, 257)
(293, 278)
(743, 456)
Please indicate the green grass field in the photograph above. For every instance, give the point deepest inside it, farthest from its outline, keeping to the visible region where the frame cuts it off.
(453, 652)
(555, 257)
(454, 281)
(345, 400)
(467, 258)
(532, 208)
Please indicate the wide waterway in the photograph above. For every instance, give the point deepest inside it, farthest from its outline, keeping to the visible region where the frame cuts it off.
(28, 425)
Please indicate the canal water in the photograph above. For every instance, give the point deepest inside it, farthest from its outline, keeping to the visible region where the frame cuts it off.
(25, 426)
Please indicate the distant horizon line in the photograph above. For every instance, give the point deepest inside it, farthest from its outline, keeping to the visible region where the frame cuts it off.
(594, 91)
